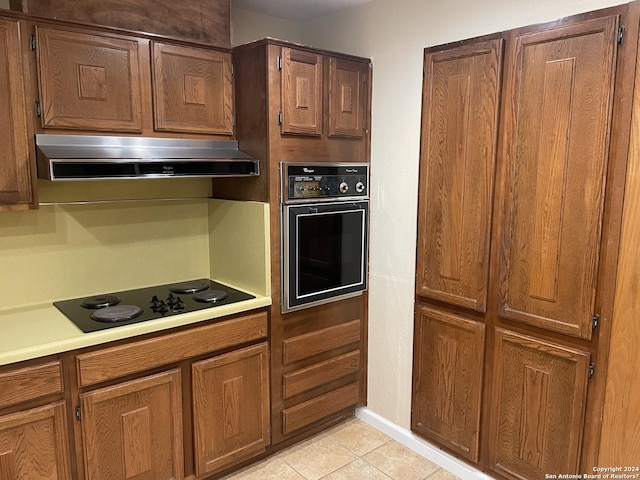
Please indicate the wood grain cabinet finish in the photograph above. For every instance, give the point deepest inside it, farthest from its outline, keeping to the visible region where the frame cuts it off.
(89, 81)
(302, 92)
(447, 389)
(30, 383)
(15, 166)
(193, 90)
(458, 154)
(347, 92)
(134, 429)
(34, 444)
(199, 21)
(537, 411)
(231, 408)
(557, 126)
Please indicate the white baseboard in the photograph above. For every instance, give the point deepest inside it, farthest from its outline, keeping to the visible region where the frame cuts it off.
(422, 448)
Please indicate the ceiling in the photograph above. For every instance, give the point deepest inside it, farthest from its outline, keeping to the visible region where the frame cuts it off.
(296, 10)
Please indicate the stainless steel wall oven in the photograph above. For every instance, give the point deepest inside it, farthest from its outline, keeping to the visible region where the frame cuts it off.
(325, 225)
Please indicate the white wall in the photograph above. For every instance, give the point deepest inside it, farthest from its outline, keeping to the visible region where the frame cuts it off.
(394, 33)
(249, 26)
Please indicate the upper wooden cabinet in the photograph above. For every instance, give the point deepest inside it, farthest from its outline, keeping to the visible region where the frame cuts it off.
(556, 146)
(301, 92)
(323, 94)
(89, 81)
(347, 98)
(537, 412)
(97, 81)
(15, 164)
(193, 90)
(457, 162)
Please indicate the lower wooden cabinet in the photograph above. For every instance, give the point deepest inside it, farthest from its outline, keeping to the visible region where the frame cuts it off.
(537, 409)
(134, 429)
(447, 384)
(34, 444)
(230, 408)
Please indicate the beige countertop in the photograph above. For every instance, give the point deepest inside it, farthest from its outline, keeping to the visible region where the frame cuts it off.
(38, 330)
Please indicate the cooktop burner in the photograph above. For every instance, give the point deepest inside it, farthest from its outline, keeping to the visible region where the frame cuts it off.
(210, 296)
(117, 313)
(189, 287)
(100, 301)
(114, 309)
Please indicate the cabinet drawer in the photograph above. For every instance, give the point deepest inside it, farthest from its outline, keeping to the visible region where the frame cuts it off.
(30, 383)
(317, 408)
(309, 344)
(136, 357)
(321, 373)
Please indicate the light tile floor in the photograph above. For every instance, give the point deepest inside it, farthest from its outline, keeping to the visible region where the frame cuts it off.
(352, 450)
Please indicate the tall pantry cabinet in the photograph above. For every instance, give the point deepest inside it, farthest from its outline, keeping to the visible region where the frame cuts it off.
(523, 151)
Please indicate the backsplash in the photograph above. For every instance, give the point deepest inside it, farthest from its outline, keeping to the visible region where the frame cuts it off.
(64, 251)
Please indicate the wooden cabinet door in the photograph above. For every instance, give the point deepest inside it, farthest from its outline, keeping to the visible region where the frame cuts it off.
(537, 406)
(34, 444)
(556, 139)
(134, 429)
(230, 408)
(457, 162)
(301, 92)
(89, 81)
(347, 96)
(192, 90)
(447, 387)
(15, 171)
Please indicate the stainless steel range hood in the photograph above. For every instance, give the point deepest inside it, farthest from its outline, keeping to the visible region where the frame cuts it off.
(80, 157)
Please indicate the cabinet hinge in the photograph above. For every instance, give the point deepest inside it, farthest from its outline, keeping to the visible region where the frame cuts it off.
(592, 370)
(32, 43)
(233, 71)
(78, 413)
(621, 30)
(279, 118)
(38, 109)
(595, 322)
(279, 63)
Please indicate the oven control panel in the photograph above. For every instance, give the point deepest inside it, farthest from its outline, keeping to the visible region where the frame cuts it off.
(324, 181)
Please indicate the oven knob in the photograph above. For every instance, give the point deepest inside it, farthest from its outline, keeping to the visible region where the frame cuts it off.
(344, 188)
(359, 187)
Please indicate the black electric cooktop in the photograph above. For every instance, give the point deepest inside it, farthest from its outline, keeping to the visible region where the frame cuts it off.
(114, 309)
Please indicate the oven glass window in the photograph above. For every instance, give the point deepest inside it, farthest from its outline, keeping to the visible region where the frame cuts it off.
(330, 251)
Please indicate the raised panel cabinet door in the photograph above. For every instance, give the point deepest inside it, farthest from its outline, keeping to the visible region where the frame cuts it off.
(537, 406)
(448, 363)
(457, 162)
(230, 408)
(556, 140)
(89, 81)
(15, 171)
(347, 94)
(301, 92)
(34, 444)
(134, 429)
(192, 89)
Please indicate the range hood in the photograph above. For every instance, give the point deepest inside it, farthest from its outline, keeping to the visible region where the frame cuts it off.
(80, 157)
